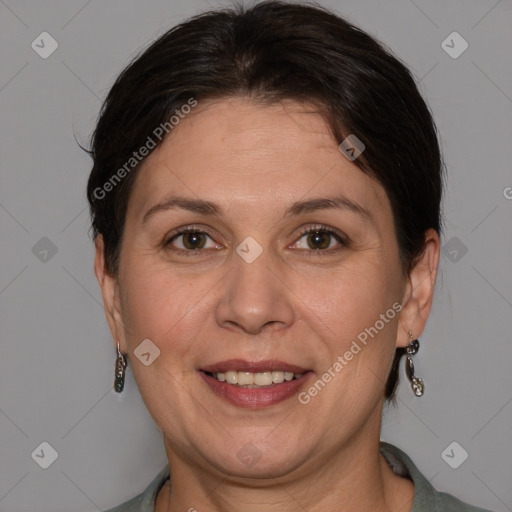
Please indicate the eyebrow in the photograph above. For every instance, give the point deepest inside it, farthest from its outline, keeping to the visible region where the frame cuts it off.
(185, 203)
(298, 208)
(331, 203)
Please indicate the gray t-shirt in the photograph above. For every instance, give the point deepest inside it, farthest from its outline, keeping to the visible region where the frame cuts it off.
(426, 498)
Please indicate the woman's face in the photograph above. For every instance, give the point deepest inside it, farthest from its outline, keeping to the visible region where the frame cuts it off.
(250, 290)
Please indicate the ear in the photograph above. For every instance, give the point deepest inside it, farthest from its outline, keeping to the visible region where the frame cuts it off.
(110, 291)
(419, 291)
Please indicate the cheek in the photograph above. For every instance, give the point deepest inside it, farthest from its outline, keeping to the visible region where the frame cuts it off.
(161, 305)
(351, 298)
(356, 311)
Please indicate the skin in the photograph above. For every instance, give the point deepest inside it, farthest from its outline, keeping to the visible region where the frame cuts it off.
(293, 303)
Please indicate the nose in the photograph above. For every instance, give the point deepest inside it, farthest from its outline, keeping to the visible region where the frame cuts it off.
(254, 299)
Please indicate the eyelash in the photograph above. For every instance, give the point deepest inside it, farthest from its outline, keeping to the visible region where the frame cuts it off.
(322, 228)
(339, 237)
(184, 231)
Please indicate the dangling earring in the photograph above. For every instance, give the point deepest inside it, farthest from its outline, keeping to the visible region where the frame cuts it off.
(121, 364)
(417, 384)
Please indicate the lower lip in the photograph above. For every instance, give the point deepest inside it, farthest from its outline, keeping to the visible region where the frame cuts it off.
(255, 398)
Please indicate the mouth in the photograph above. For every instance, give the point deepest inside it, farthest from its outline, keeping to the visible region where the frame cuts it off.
(254, 384)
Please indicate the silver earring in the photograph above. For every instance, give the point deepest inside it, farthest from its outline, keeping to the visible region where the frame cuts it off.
(121, 364)
(417, 384)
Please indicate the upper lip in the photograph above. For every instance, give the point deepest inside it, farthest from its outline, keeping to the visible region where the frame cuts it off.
(252, 366)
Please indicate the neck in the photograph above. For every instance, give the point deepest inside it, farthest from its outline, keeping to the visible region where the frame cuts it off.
(351, 478)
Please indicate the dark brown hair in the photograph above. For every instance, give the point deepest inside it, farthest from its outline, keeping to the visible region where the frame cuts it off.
(273, 51)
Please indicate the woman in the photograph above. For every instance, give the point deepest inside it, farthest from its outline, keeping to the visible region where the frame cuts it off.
(266, 210)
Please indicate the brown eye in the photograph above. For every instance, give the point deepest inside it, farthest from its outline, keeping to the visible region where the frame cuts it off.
(191, 240)
(194, 240)
(319, 240)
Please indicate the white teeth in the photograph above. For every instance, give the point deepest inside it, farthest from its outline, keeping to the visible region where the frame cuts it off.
(277, 377)
(253, 380)
(263, 379)
(231, 377)
(245, 378)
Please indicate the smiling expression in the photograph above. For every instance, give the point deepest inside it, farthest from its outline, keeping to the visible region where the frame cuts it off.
(252, 245)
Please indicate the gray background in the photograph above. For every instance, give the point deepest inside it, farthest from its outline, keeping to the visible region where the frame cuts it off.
(57, 357)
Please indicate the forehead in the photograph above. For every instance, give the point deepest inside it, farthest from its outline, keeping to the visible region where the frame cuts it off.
(238, 151)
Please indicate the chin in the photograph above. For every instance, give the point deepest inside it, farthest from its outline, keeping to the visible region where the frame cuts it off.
(245, 457)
